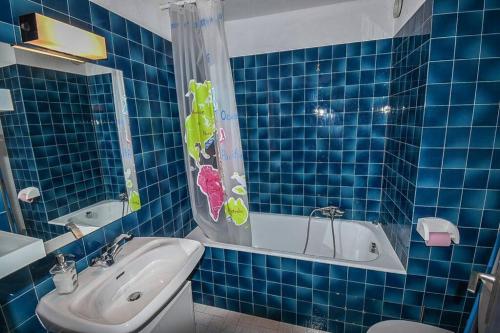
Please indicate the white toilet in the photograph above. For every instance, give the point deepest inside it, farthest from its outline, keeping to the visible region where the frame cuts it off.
(483, 325)
(404, 326)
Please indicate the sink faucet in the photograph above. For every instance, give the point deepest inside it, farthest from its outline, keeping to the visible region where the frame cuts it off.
(109, 252)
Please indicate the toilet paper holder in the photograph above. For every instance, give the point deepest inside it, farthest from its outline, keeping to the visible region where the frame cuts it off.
(427, 225)
(28, 194)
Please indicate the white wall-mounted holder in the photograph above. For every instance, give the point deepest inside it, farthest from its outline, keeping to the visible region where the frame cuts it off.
(28, 194)
(427, 226)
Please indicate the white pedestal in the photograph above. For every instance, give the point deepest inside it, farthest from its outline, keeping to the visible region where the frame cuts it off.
(177, 316)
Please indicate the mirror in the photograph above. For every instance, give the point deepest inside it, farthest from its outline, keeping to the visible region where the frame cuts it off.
(66, 154)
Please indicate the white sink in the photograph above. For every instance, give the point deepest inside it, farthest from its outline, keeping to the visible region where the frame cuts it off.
(17, 251)
(154, 267)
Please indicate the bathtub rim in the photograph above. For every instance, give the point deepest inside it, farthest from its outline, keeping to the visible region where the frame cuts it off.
(109, 203)
(198, 235)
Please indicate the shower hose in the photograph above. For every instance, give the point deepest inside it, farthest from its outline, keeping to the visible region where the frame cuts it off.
(332, 212)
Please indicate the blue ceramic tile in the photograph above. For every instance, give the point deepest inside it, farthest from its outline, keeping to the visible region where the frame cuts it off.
(470, 23)
(15, 285)
(20, 309)
(7, 33)
(29, 326)
(79, 9)
(442, 48)
(491, 4)
(61, 6)
(5, 15)
(440, 7)
(466, 5)
(94, 241)
(444, 25)
(99, 17)
(467, 47)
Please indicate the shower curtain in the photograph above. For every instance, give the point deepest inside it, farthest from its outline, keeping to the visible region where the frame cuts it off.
(209, 122)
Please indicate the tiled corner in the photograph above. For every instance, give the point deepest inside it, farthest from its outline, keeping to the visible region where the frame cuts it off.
(313, 127)
(457, 167)
(409, 68)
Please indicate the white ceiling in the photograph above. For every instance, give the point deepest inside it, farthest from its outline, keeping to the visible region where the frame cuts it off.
(147, 12)
(301, 23)
(241, 9)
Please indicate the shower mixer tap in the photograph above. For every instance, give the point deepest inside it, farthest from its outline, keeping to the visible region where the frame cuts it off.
(329, 211)
(123, 197)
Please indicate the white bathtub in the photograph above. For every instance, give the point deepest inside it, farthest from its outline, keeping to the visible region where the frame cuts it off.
(94, 216)
(87, 220)
(285, 236)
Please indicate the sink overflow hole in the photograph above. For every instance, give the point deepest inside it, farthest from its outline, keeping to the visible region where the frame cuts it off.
(120, 275)
(134, 296)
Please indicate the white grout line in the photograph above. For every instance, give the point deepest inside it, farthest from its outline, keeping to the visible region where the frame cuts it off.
(211, 319)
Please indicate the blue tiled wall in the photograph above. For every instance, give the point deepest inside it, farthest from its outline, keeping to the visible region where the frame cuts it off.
(73, 139)
(106, 131)
(4, 222)
(146, 62)
(312, 127)
(441, 160)
(4, 219)
(62, 136)
(459, 166)
(21, 156)
(404, 128)
(311, 294)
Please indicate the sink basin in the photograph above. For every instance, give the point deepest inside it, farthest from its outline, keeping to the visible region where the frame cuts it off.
(124, 297)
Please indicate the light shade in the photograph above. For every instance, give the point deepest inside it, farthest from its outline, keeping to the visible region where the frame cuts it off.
(45, 32)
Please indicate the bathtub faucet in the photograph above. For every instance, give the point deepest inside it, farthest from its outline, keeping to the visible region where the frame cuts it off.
(123, 197)
(329, 211)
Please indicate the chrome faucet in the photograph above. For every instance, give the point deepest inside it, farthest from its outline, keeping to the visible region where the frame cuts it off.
(109, 252)
(329, 211)
(123, 197)
(71, 226)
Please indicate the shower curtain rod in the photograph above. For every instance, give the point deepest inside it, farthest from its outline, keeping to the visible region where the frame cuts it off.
(179, 3)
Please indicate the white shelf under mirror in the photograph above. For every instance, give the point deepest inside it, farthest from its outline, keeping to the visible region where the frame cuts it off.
(17, 251)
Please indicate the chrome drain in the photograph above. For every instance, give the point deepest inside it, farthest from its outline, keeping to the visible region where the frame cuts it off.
(134, 296)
